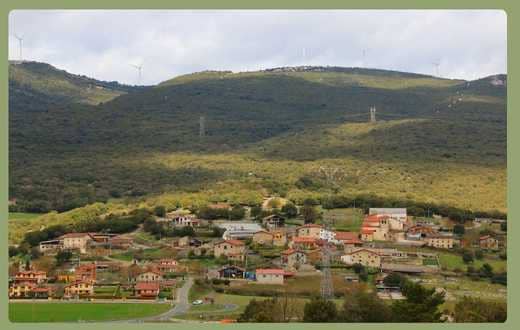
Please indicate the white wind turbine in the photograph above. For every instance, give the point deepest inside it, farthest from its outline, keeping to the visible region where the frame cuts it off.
(139, 68)
(20, 42)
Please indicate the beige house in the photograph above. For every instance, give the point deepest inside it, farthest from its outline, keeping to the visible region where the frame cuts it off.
(309, 230)
(375, 228)
(363, 257)
(149, 276)
(33, 276)
(439, 241)
(76, 241)
(270, 276)
(233, 249)
(279, 238)
(79, 288)
(263, 237)
(488, 242)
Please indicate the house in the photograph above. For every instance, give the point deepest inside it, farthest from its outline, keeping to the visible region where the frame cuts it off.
(120, 242)
(309, 230)
(147, 290)
(166, 265)
(85, 272)
(347, 238)
(488, 242)
(363, 257)
(398, 216)
(273, 221)
(270, 276)
(263, 238)
(233, 272)
(31, 276)
(189, 241)
(50, 247)
(79, 289)
(440, 241)
(242, 230)
(188, 220)
(76, 241)
(232, 249)
(303, 243)
(29, 290)
(293, 258)
(313, 256)
(279, 237)
(375, 228)
(149, 276)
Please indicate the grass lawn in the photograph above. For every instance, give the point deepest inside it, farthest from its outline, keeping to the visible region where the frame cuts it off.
(23, 216)
(73, 312)
(349, 219)
(453, 261)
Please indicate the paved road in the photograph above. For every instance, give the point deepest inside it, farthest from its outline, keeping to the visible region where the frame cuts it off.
(182, 304)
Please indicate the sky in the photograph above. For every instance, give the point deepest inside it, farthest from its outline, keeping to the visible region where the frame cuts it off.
(104, 44)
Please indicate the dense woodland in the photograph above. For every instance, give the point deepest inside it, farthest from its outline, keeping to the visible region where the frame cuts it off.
(439, 145)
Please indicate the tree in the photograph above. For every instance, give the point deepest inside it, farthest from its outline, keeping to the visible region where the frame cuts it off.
(459, 229)
(473, 310)
(260, 311)
(420, 305)
(486, 271)
(309, 214)
(320, 310)
(503, 226)
(256, 211)
(159, 211)
(237, 213)
(359, 306)
(467, 256)
(290, 210)
(394, 279)
(63, 257)
(479, 254)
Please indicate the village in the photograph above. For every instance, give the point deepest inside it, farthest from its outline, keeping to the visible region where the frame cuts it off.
(212, 272)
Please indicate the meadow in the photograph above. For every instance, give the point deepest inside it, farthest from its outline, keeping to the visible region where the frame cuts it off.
(81, 312)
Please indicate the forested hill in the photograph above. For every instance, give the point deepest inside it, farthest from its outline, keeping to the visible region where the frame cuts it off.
(267, 132)
(31, 83)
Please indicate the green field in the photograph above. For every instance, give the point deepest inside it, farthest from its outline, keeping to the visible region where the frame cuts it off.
(76, 312)
(15, 216)
(452, 261)
(344, 219)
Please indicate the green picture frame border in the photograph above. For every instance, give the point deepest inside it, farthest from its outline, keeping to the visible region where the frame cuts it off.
(513, 137)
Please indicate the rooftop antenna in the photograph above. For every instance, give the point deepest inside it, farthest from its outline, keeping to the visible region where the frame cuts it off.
(139, 72)
(20, 42)
(436, 65)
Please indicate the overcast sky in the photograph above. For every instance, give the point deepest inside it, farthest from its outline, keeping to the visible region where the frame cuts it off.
(103, 44)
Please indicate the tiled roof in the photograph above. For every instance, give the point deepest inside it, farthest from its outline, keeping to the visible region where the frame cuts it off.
(270, 271)
(147, 286)
(232, 242)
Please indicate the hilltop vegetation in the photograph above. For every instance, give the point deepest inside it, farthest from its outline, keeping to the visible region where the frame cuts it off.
(268, 132)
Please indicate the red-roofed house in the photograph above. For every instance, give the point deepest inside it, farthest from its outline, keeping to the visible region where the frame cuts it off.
(348, 238)
(303, 242)
(147, 290)
(166, 265)
(270, 275)
(32, 276)
(85, 272)
(375, 227)
(232, 248)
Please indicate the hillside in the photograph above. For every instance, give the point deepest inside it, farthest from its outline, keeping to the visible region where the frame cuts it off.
(267, 132)
(31, 83)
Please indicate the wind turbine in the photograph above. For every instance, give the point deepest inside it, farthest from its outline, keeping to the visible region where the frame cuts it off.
(365, 51)
(20, 41)
(139, 69)
(436, 65)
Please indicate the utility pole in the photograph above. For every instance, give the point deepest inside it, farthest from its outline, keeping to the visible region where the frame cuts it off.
(372, 114)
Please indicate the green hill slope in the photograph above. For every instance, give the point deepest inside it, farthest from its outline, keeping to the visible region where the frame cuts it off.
(34, 82)
(436, 140)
